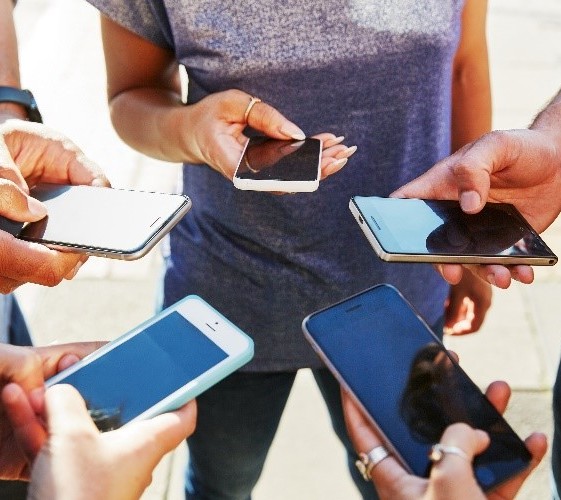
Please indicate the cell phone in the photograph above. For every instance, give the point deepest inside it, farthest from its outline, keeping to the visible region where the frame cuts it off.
(274, 165)
(396, 369)
(158, 366)
(438, 231)
(104, 222)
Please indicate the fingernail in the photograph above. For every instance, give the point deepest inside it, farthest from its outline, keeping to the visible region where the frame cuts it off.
(36, 208)
(470, 201)
(491, 279)
(291, 130)
(338, 163)
(347, 152)
(334, 142)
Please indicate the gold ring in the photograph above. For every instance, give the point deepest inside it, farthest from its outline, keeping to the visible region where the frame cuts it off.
(252, 102)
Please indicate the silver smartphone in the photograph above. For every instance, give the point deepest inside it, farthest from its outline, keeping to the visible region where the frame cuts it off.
(159, 365)
(401, 375)
(116, 223)
(275, 165)
(438, 231)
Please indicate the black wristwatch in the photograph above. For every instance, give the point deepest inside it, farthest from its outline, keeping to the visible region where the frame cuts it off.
(23, 97)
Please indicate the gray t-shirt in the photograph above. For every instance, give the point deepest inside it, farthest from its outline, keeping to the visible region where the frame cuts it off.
(377, 72)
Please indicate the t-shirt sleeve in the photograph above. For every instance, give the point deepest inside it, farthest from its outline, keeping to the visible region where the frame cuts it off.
(145, 18)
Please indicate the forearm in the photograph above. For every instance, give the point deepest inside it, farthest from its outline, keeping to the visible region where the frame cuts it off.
(9, 63)
(169, 128)
(549, 121)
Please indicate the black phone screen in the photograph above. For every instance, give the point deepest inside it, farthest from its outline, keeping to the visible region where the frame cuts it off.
(407, 382)
(272, 159)
(440, 227)
(138, 373)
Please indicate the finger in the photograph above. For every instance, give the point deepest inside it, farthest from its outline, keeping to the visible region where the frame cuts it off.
(537, 446)
(21, 365)
(66, 411)
(493, 274)
(498, 393)
(268, 120)
(27, 427)
(8, 169)
(452, 273)
(163, 433)
(332, 141)
(46, 155)
(332, 167)
(17, 205)
(522, 274)
(58, 357)
(25, 261)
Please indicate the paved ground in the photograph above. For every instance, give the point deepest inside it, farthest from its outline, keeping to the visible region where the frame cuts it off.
(520, 341)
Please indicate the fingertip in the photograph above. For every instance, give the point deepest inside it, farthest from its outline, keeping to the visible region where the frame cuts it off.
(470, 201)
(452, 273)
(66, 361)
(37, 209)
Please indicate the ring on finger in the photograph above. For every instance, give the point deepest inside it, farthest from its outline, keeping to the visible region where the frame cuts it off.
(252, 102)
(367, 461)
(438, 451)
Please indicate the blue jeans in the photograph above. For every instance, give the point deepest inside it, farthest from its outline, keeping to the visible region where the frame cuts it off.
(237, 421)
(556, 446)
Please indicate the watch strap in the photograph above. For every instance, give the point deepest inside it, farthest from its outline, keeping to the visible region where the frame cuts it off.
(23, 97)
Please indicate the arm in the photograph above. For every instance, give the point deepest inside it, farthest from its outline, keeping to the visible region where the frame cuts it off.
(470, 298)
(142, 88)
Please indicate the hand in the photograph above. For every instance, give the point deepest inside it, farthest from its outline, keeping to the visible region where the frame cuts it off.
(522, 167)
(449, 479)
(28, 368)
(32, 153)
(218, 138)
(79, 462)
(467, 305)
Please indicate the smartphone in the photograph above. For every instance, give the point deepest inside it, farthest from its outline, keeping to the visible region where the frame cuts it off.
(401, 375)
(274, 165)
(104, 222)
(158, 366)
(413, 230)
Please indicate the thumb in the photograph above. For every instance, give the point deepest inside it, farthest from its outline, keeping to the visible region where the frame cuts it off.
(271, 122)
(66, 410)
(17, 205)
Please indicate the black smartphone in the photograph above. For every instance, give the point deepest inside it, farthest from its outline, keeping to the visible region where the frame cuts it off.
(402, 376)
(105, 222)
(438, 231)
(274, 165)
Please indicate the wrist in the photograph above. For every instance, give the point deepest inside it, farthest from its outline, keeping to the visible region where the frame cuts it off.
(10, 110)
(16, 100)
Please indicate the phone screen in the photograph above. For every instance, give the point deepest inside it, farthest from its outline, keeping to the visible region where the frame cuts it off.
(436, 227)
(276, 160)
(102, 219)
(406, 381)
(138, 373)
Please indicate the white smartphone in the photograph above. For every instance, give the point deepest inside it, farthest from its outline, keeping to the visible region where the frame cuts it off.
(275, 165)
(104, 222)
(438, 231)
(158, 366)
(407, 384)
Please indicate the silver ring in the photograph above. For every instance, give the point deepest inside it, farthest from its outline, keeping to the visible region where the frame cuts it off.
(252, 102)
(367, 461)
(438, 451)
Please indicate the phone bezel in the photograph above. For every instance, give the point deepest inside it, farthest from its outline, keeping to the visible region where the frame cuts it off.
(269, 185)
(237, 345)
(431, 258)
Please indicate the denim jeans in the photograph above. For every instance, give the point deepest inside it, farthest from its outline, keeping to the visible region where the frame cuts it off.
(556, 446)
(237, 421)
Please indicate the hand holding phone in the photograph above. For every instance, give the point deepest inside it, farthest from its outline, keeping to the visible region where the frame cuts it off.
(104, 222)
(438, 231)
(403, 378)
(277, 165)
(159, 365)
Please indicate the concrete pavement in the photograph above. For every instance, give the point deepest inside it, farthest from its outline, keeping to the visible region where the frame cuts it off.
(520, 341)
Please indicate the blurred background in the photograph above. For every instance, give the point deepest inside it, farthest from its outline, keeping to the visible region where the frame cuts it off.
(62, 62)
